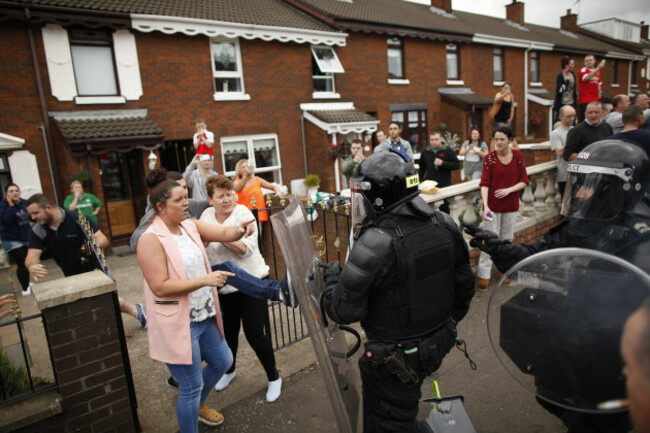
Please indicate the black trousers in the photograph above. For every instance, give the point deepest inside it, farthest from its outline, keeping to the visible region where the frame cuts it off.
(19, 255)
(238, 308)
(388, 404)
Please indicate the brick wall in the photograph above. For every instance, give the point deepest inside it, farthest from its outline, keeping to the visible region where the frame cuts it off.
(90, 369)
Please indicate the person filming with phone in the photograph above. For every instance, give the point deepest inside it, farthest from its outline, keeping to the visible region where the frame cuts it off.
(589, 83)
(503, 110)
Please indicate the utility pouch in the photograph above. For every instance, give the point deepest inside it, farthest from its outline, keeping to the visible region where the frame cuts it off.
(435, 347)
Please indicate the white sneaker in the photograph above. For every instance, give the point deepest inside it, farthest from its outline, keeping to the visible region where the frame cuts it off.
(274, 390)
(28, 290)
(225, 381)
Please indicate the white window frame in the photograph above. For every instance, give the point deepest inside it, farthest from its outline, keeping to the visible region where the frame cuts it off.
(456, 52)
(61, 72)
(251, 153)
(537, 61)
(220, 95)
(327, 73)
(335, 66)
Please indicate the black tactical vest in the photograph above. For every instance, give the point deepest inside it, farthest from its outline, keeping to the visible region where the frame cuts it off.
(418, 294)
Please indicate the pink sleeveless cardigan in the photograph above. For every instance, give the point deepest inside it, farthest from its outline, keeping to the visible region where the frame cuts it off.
(169, 324)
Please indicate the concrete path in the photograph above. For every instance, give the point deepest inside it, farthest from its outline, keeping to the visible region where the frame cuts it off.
(494, 401)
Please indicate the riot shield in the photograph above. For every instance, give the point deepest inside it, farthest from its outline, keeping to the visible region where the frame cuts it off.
(332, 351)
(556, 328)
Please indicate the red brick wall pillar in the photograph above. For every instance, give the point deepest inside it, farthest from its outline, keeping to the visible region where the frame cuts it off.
(84, 328)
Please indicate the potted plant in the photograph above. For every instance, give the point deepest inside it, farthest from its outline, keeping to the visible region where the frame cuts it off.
(312, 182)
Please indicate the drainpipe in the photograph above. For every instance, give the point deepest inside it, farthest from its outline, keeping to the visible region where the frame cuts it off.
(337, 181)
(526, 90)
(49, 160)
(629, 77)
(47, 133)
(304, 146)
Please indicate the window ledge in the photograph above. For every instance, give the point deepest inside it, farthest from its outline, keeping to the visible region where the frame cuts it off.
(325, 95)
(234, 96)
(615, 85)
(498, 83)
(535, 84)
(455, 83)
(399, 81)
(87, 100)
(634, 85)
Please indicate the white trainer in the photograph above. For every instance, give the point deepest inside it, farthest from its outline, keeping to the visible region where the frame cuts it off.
(225, 381)
(274, 390)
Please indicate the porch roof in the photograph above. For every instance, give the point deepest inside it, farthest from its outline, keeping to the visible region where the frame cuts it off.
(98, 132)
(541, 96)
(464, 98)
(339, 118)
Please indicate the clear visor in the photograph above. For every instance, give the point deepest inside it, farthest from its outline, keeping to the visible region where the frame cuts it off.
(593, 196)
(362, 212)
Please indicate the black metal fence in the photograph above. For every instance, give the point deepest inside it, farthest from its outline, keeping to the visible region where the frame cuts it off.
(330, 224)
(24, 368)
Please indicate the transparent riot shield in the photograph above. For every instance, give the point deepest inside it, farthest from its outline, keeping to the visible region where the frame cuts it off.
(556, 328)
(339, 370)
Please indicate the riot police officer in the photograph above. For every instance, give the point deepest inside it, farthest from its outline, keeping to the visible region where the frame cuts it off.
(606, 210)
(408, 280)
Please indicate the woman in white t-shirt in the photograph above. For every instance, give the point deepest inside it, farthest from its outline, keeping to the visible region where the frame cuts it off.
(474, 150)
(238, 307)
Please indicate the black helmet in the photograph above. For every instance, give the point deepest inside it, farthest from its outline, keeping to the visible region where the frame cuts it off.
(605, 179)
(384, 180)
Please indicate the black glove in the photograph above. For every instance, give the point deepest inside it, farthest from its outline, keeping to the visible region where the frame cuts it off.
(287, 290)
(331, 272)
(484, 240)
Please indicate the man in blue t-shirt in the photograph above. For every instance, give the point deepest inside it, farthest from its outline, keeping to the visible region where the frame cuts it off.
(632, 121)
(57, 229)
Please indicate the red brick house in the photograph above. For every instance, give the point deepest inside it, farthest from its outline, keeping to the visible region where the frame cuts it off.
(108, 87)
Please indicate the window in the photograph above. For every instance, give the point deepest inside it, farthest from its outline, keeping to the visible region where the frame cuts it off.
(414, 127)
(453, 64)
(395, 58)
(324, 65)
(262, 148)
(497, 64)
(534, 67)
(227, 70)
(633, 71)
(614, 71)
(93, 63)
(92, 66)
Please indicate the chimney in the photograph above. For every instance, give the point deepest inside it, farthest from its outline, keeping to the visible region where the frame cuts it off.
(569, 22)
(515, 12)
(644, 30)
(444, 5)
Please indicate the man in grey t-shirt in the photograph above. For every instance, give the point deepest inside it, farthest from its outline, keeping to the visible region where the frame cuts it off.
(615, 117)
(558, 141)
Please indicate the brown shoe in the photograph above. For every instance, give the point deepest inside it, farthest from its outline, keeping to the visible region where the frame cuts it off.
(482, 284)
(209, 416)
(506, 282)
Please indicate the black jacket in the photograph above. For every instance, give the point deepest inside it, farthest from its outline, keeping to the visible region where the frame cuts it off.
(441, 173)
(583, 134)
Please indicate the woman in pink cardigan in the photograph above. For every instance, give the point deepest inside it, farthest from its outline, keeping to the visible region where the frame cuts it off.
(185, 324)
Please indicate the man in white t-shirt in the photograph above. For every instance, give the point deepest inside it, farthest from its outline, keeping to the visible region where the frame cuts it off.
(558, 141)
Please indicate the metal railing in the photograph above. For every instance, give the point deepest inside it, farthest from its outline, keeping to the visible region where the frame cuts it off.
(331, 229)
(19, 375)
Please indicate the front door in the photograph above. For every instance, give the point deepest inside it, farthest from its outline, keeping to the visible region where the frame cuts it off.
(122, 179)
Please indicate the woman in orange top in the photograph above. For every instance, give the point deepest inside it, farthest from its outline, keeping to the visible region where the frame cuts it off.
(247, 185)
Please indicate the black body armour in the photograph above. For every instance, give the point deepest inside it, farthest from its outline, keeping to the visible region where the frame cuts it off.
(417, 298)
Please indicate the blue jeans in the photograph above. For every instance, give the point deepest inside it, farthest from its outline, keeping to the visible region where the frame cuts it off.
(195, 382)
(249, 284)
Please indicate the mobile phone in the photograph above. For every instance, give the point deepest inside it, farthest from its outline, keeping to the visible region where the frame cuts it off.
(489, 216)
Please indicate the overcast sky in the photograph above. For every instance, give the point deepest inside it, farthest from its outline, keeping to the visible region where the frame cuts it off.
(548, 12)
